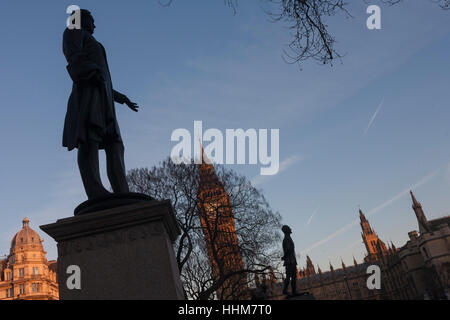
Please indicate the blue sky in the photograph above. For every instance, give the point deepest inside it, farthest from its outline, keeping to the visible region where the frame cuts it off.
(198, 61)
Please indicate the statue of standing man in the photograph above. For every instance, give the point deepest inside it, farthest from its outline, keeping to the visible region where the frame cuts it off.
(290, 261)
(91, 122)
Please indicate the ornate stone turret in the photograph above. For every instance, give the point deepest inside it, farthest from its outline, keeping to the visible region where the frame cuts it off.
(393, 247)
(310, 270)
(343, 265)
(370, 239)
(420, 215)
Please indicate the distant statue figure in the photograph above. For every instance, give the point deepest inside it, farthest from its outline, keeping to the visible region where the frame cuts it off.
(290, 261)
(91, 123)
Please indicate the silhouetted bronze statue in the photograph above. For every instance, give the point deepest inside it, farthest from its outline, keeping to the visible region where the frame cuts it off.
(290, 261)
(91, 122)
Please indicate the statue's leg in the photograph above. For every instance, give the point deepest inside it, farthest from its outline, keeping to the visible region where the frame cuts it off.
(286, 282)
(286, 285)
(294, 280)
(115, 165)
(294, 285)
(89, 169)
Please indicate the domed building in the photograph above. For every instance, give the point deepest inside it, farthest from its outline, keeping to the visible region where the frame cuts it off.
(26, 274)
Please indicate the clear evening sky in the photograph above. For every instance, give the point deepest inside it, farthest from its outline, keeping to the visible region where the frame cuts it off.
(359, 133)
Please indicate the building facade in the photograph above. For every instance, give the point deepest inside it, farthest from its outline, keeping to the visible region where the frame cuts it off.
(421, 268)
(26, 274)
(418, 270)
(345, 283)
(349, 282)
(218, 224)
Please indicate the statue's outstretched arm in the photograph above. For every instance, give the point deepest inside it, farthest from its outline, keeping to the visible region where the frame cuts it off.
(121, 98)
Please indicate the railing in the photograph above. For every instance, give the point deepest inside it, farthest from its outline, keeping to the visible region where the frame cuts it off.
(24, 296)
(30, 277)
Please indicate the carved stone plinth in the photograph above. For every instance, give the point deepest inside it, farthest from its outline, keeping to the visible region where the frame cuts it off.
(123, 253)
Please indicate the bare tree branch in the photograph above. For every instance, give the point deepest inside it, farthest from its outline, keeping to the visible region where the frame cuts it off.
(307, 22)
(208, 246)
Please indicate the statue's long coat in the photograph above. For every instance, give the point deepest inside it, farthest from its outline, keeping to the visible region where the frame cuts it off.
(289, 252)
(90, 110)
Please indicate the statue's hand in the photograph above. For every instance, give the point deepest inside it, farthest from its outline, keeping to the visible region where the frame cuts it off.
(132, 105)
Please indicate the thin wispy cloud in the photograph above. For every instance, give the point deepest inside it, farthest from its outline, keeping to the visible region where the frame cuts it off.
(284, 165)
(447, 173)
(343, 229)
(354, 244)
(310, 218)
(373, 117)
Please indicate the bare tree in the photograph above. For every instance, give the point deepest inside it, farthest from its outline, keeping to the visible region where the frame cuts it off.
(311, 38)
(444, 4)
(215, 258)
(307, 21)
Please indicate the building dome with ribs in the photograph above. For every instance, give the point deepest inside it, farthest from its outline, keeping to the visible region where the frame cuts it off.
(26, 238)
(26, 274)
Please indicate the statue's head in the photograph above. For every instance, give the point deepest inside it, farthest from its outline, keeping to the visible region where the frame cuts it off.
(87, 21)
(286, 229)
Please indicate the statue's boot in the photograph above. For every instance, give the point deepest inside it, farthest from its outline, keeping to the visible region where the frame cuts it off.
(285, 286)
(294, 286)
(88, 164)
(115, 165)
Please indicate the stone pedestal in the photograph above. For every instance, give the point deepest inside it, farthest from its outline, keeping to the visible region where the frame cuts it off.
(123, 253)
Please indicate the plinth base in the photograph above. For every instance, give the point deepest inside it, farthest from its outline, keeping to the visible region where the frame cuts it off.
(122, 253)
(110, 201)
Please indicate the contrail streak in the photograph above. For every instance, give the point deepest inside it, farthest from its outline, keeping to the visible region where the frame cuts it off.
(354, 243)
(373, 211)
(310, 218)
(373, 117)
